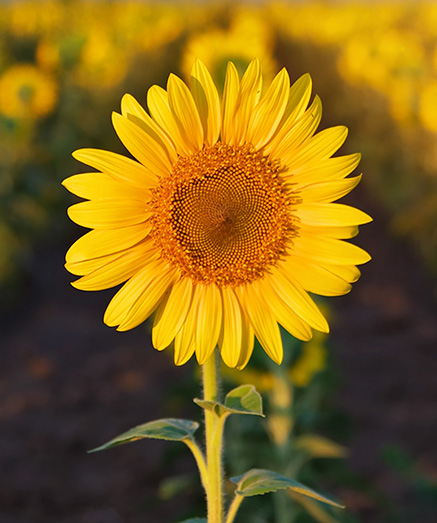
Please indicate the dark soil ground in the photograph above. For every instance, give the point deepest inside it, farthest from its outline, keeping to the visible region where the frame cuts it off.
(69, 383)
(385, 342)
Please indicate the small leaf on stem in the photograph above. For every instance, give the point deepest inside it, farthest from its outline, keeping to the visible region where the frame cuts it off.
(245, 399)
(259, 481)
(171, 429)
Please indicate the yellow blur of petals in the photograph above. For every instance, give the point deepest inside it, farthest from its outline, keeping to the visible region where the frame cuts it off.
(249, 36)
(27, 92)
(311, 362)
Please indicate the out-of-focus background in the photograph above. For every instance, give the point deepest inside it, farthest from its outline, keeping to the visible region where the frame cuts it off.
(68, 383)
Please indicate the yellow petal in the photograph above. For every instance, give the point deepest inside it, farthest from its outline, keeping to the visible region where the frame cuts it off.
(319, 147)
(262, 320)
(247, 342)
(142, 146)
(297, 299)
(335, 168)
(132, 292)
(80, 268)
(342, 233)
(209, 321)
(115, 271)
(327, 192)
(117, 166)
(157, 101)
(268, 113)
(298, 100)
(283, 313)
(108, 214)
(288, 140)
(230, 100)
(330, 215)
(93, 186)
(250, 92)
(184, 109)
(147, 302)
(231, 335)
(207, 101)
(100, 242)
(171, 313)
(133, 111)
(349, 273)
(184, 346)
(315, 278)
(329, 250)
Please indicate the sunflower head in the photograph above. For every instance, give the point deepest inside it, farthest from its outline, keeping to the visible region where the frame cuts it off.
(223, 221)
(224, 216)
(248, 36)
(27, 91)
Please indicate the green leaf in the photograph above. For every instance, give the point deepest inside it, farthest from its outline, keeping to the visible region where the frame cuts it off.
(259, 481)
(195, 520)
(245, 399)
(213, 406)
(314, 509)
(171, 429)
(319, 447)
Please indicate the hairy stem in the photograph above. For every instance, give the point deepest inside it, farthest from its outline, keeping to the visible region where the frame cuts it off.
(214, 441)
(200, 460)
(235, 505)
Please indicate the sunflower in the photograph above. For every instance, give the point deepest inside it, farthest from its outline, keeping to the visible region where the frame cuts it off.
(224, 222)
(249, 35)
(102, 62)
(27, 92)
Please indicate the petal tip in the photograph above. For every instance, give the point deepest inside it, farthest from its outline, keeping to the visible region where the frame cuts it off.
(74, 283)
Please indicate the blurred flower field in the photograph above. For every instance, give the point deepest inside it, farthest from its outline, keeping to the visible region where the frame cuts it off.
(375, 66)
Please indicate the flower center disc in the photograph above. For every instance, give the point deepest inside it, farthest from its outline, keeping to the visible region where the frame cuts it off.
(223, 216)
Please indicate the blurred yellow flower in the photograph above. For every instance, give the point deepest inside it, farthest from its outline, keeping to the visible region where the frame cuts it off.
(262, 380)
(248, 37)
(27, 92)
(393, 63)
(47, 54)
(311, 361)
(428, 106)
(146, 26)
(225, 221)
(28, 18)
(102, 63)
(280, 421)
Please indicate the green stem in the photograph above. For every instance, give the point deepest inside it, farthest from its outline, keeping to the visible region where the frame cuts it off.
(214, 441)
(235, 505)
(200, 460)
